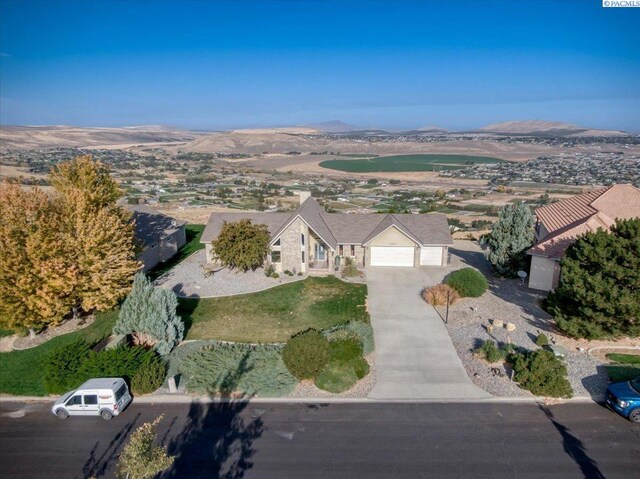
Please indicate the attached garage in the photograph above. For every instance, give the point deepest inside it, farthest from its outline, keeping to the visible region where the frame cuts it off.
(392, 255)
(431, 256)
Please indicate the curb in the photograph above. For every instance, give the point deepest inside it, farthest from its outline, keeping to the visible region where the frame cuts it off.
(183, 399)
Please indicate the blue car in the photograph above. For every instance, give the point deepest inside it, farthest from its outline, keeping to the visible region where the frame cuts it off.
(624, 398)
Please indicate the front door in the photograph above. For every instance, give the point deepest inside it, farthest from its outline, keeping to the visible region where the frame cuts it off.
(320, 252)
(74, 405)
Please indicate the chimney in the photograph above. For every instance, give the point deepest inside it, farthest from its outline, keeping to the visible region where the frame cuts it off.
(304, 195)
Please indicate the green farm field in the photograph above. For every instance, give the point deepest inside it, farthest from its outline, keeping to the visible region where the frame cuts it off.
(399, 163)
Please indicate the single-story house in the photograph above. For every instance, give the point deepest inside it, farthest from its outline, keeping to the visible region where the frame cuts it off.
(310, 239)
(559, 224)
(159, 236)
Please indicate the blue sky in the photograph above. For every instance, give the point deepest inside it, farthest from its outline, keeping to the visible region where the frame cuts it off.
(395, 64)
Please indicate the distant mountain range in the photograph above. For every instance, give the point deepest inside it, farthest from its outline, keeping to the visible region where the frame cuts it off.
(22, 137)
(524, 127)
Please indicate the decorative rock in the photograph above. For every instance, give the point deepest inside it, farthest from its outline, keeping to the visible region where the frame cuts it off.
(116, 341)
(498, 323)
(490, 329)
(173, 387)
(510, 327)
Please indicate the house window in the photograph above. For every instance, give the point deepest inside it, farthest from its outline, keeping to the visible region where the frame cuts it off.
(275, 256)
(303, 256)
(302, 239)
(341, 250)
(277, 242)
(353, 250)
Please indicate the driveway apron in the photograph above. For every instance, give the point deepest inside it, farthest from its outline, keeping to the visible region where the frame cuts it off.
(415, 358)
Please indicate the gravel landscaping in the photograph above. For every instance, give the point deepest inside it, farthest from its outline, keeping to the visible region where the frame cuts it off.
(511, 301)
(188, 280)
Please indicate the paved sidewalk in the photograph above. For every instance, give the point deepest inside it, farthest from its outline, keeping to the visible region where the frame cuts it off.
(415, 358)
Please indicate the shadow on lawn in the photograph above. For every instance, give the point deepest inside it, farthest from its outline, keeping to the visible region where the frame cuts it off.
(186, 308)
(217, 440)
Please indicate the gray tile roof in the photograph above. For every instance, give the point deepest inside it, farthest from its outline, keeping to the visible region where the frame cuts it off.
(341, 228)
(274, 222)
(151, 225)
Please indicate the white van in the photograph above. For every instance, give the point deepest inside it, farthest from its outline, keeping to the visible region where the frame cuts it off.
(105, 397)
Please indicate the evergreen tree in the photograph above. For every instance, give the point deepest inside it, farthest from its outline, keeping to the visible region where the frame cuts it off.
(149, 314)
(242, 245)
(510, 238)
(599, 290)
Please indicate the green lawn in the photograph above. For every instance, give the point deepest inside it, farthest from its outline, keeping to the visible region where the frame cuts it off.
(193, 233)
(6, 332)
(21, 372)
(621, 372)
(274, 315)
(399, 163)
(624, 358)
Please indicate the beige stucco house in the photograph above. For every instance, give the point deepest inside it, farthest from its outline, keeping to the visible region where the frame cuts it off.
(559, 224)
(310, 239)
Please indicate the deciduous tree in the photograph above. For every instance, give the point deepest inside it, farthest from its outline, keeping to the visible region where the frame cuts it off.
(37, 278)
(242, 245)
(99, 233)
(510, 238)
(142, 458)
(599, 290)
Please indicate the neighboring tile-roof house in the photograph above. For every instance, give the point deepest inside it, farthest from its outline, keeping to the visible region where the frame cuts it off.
(341, 228)
(565, 220)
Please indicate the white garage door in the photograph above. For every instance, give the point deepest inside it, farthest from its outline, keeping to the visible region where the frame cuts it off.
(391, 256)
(431, 256)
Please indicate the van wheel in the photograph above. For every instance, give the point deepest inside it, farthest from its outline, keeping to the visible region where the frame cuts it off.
(62, 414)
(634, 416)
(106, 414)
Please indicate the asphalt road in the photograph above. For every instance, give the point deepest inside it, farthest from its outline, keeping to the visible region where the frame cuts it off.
(332, 441)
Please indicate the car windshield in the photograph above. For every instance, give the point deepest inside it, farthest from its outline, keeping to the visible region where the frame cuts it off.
(635, 384)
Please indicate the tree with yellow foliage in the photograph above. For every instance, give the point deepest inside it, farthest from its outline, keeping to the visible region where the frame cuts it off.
(99, 233)
(70, 252)
(37, 278)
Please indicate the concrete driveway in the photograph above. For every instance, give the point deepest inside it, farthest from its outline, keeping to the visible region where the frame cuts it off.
(415, 358)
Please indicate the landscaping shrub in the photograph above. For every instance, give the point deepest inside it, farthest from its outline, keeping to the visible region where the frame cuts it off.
(336, 377)
(306, 353)
(350, 269)
(228, 369)
(149, 376)
(287, 272)
(359, 330)
(62, 366)
(437, 295)
(542, 340)
(542, 373)
(149, 314)
(489, 351)
(468, 282)
(269, 271)
(123, 361)
(346, 365)
(68, 367)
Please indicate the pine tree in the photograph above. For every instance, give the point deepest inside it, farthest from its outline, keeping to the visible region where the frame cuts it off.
(510, 238)
(98, 232)
(599, 290)
(149, 314)
(141, 458)
(36, 277)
